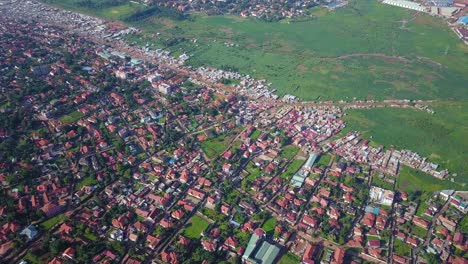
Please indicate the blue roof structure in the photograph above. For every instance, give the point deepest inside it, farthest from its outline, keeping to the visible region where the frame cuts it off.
(442, 3)
(463, 20)
(311, 160)
(373, 210)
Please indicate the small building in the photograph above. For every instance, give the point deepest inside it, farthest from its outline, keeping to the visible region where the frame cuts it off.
(30, 232)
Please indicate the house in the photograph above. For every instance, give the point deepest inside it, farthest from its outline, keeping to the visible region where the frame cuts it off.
(65, 229)
(227, 168)
(458, 238)
(248, 207)
(6, 248)
(421, 222)
(209, 245)
(169, 257)
(308, 257)
(231, 243)
(51, 209)
(338, 256)
(152, 241)
(184, 241)
(310, 221)
(373, 243)
(447, 223)
(166, 223)
(225, 210)
(196, 193)
(55, 260)
(69, 253)
(412, 241)
(399, 259)
(120, 222)
(30, 232)
(178, 214)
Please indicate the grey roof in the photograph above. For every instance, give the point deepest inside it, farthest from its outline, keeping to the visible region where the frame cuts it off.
(311, 160)
(267, 253)
(251, 246)
(30, 232)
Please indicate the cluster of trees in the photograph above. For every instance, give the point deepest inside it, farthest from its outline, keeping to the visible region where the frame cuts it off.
(100, 3)
(158, 11)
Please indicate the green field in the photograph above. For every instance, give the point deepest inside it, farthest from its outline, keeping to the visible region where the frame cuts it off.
(376, 181)
(48, 224)
(196, 226)
(442, 137)
(269, 225)
(289, 258)
(292, 168)
(106, 10)
(72, 117)
(360, 51)
(214, 147)
(324, 159)
(289, 152)
(87, 181)
(418, 231)
(414, 180)
(401, 248)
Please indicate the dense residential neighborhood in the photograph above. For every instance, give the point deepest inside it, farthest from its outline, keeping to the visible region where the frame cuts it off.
(110, 153)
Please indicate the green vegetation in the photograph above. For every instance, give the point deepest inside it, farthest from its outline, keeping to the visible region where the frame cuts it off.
(463, 225)
(292, 168)
(320, 64)
(418, 231)
(376, 181)
(109, 9)
(422, 207)
(72, 117)
(196, 227)
(401, 248)
(289, 152)
(32, 259)
(324, 159)
(214, 147)
(255, 134)
(269, 225)
(48, 224)
(87, 181)
(411, 180)
(442, 137)
(289, 258)
(91, 236)
(254, 171)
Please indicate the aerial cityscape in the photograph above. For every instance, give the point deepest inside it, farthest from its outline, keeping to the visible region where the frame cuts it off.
(233, 131)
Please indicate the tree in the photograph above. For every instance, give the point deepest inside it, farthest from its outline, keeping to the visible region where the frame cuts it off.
(57, 246)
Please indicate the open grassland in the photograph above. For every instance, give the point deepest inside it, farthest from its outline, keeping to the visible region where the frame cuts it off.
(196, 226)
(289, 258)
(269, 225)
(363, 50)
(289, 152)
(411, 180)
(294, 166)
(72, 117)
(48, 224)
(215, 146)
(401, 248)
(442, 137)
(113, 10)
